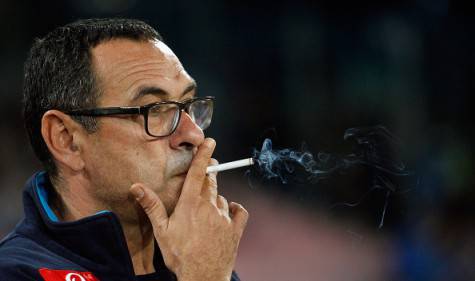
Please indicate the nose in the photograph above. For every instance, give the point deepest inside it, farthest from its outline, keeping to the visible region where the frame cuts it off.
(187, 135)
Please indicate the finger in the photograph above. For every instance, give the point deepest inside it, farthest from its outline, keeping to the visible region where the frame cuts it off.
(209, 190)
(152, 205)
(239, 216)
(222, 205)
(197, 173)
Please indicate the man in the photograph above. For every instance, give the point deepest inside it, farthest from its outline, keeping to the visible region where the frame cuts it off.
(113, 116)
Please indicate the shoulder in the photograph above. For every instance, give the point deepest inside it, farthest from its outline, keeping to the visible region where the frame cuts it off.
(17, 273)
(16, 259)
(12, 269)
(16, 247)
(21, 258)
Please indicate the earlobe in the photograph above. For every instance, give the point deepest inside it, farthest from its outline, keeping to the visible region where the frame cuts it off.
(61, 135)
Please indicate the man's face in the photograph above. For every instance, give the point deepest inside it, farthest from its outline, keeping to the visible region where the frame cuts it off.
(120, 153)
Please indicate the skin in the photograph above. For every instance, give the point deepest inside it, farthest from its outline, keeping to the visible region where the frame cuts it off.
(158, 187)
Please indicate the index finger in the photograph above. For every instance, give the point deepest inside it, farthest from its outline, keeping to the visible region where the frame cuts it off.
(209, 190)
(196, 174)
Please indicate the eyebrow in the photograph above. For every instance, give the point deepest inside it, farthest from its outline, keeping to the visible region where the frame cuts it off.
(157, 91)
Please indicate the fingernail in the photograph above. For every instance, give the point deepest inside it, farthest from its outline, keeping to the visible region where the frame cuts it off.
(138, 192)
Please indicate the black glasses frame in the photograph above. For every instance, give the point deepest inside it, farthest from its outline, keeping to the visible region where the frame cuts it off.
(141, 110)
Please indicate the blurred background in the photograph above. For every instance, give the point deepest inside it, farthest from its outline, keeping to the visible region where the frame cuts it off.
(304, 72)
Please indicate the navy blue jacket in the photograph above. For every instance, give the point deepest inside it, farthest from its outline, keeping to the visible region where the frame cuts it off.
(90, 249)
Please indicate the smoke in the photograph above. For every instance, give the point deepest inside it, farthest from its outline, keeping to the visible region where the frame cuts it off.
(374, 148)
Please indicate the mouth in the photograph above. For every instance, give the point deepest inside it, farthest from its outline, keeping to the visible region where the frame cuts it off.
(180, 164)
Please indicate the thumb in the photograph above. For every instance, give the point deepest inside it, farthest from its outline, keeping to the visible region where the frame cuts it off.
(152, 205)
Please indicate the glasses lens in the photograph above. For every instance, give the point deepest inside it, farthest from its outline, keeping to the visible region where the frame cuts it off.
(201, 112)
(162, 119)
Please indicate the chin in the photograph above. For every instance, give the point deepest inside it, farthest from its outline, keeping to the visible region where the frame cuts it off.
(170, 192)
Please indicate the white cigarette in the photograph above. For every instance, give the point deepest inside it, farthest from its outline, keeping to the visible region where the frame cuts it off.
(230, 165)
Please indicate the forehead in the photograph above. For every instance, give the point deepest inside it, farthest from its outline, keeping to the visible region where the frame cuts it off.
(124, 66)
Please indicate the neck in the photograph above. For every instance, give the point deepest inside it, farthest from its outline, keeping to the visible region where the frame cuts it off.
(138, 232)
(141, 244)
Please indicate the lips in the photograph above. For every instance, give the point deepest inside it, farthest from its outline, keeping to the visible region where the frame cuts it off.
(179, 164)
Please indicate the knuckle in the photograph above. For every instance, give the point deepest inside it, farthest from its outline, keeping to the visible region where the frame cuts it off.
(150, 207)
(223, 201)
(238, 206)
(244, 212)
(246, 216)
(214, 162)
(212, 181)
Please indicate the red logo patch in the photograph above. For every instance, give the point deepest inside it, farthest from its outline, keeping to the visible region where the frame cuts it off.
(66, 275)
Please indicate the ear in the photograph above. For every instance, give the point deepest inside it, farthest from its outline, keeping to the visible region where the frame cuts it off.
(63, 137)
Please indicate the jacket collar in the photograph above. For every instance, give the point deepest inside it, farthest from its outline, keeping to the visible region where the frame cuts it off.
(96, 242)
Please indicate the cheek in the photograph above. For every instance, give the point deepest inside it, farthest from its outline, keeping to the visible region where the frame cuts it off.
(151, 166)
(110, 167)
(115, 163)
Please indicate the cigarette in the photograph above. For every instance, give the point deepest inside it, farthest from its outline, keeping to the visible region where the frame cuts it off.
(230, 165)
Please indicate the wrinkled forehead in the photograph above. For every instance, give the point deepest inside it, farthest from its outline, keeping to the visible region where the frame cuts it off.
(124, 65)
(121, 54)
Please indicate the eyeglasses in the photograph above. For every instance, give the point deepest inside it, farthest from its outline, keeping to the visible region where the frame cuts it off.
(161, 118)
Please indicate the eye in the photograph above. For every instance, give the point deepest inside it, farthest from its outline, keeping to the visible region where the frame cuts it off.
(201, 112)
(162, 118)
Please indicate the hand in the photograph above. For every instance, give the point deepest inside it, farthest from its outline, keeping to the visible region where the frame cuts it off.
(199, 241)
